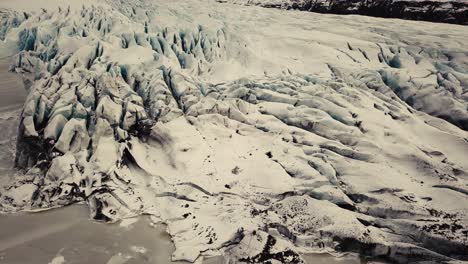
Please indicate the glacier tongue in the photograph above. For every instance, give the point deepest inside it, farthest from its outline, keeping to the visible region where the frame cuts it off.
(254, 142)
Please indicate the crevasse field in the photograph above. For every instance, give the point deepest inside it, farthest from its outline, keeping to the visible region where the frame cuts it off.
(254, 134)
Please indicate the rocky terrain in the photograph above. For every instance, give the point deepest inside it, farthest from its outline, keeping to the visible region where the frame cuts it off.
(445, 11)
(252, 134)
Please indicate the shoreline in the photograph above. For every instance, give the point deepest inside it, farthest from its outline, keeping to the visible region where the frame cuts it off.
(45, 234)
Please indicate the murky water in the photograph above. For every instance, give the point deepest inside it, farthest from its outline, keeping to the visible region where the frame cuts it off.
(12, 97)
(328, 259)
(68, 234)
(12, 92)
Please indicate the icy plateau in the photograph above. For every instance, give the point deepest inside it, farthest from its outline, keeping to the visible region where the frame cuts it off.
(256, 134)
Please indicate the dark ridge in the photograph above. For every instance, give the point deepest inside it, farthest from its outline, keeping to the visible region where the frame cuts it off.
(453, 12)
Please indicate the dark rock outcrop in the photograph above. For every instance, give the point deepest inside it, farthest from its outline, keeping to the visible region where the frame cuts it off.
(455, 12)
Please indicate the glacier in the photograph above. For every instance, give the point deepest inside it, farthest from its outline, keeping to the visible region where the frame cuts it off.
(255, 134)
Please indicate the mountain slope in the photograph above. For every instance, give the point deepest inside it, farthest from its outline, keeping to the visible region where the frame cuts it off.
(445, 11)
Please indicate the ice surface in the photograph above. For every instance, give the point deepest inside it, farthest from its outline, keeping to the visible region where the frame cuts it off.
(250, 138)
(447, 11)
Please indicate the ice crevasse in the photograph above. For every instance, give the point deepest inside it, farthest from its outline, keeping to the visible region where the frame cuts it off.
(239, 147)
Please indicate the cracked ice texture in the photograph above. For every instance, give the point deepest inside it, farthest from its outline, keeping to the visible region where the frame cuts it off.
(248, 138)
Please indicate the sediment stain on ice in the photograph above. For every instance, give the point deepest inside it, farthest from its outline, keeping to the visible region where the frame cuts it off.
(248, 138)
